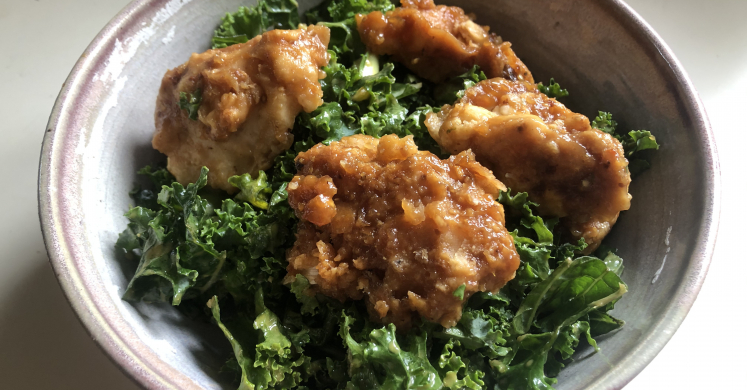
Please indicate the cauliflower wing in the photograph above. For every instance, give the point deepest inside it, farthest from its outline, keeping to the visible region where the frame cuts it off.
(438, 42)
(250, 96)
(535, 144)
(398, 227)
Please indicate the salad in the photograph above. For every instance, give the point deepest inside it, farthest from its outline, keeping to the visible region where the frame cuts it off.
(268, 220)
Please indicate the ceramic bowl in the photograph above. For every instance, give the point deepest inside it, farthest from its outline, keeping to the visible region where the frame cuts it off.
(602, 51)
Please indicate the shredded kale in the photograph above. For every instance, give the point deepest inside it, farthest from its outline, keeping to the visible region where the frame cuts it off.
(195, 248)
(359, 101)
(339, 17)
(453, 89)
(553, 89)
(248, 22)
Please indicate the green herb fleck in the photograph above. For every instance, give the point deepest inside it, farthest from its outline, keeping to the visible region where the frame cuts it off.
(190, 102)
(459, 292)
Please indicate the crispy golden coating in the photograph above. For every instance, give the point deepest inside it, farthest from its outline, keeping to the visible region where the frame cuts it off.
(251, 94)
(398, 227)
(438, 42)
(535, 144)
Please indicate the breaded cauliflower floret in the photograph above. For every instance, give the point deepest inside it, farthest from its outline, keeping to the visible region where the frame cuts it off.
(250, 96)
(398, 227)
(535, 144)
(438, 42)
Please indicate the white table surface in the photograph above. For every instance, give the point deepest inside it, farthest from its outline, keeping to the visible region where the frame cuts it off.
(42, 344)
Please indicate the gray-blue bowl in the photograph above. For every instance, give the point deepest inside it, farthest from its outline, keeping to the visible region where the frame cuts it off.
(603, 52)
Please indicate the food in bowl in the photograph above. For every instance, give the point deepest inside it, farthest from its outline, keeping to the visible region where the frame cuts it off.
(372, 242)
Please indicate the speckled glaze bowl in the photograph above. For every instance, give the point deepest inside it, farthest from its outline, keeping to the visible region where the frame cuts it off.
(603, 52)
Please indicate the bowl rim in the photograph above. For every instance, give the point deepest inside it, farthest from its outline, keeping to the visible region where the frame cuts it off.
(150, 372)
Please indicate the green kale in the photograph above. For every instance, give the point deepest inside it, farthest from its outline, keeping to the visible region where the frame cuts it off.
(358, 100)
(190, 102)
(255, 191)
(338, 11)
(455, 372)
(633, 142)
(603, 323)
(299, 287)
(553, 89)
(638, 140)
(248, 22)
(339, 17)
(158, 176)
(148, 197)
(186, 246)
(480, 330)
(264, 354)
(164, 240)
(453, 89)
(605, 123)
(381, 361)
(522, 217)
(550, 319)
(343, 10)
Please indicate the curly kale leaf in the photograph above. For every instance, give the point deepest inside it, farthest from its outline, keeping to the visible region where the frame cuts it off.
(455, 372)
(339, 17)
(479, 330)
(453, 89)
(255, 191)
(381, 361)
(519, 209)
(342, 10)
(263, 353)
(638, 140)
(300, 287)
(527, 373)
(633, 142)
(168, 241)
(415, 125)
(148, 197)
(605, 123)
(329, 122)
(363, 95)
(533, 238)
(186, 246)
(248, 22)
(158, 176)
(358, 91)
(553, 90)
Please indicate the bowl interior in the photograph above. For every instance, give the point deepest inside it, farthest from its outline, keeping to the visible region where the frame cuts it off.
(100, 132)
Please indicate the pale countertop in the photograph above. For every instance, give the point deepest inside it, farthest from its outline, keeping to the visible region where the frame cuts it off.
(42, 344)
